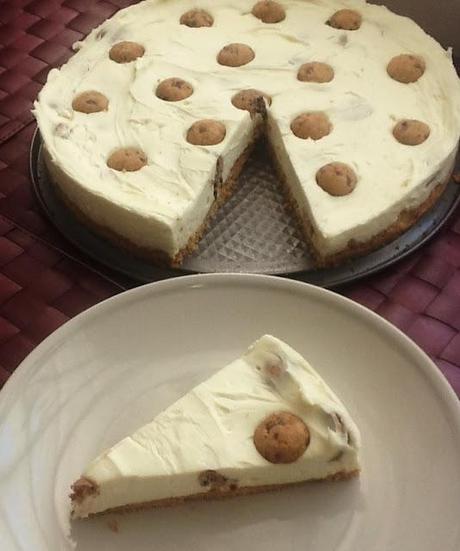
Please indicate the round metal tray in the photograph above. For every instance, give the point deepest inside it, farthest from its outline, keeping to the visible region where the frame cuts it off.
(253, 232)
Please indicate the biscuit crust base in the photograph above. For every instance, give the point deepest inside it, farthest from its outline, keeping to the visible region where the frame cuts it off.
(218, 494)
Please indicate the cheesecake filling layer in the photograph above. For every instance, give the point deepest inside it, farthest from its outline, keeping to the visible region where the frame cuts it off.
(212, 429)
(166, 201)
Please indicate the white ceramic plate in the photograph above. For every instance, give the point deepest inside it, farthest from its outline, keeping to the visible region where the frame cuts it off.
(118, 364)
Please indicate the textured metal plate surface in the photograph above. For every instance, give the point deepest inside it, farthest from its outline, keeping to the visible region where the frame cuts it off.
(253, 232)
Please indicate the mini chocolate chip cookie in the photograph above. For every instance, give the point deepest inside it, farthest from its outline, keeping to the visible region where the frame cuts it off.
(236, 55)
(281, 437)
(83, 488)
(411, 132)
(212, 479)
(125, 52)
(406, 68)
(348, 20)
(127, 159)
(268, 11)
(174, 89)
(197, 18)
(90, 102)
(206, 132)
(314, 125)
(337, 179)
(315, 71)
(248, 100)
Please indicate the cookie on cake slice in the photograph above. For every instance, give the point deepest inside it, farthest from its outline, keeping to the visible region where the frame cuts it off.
(265, 421)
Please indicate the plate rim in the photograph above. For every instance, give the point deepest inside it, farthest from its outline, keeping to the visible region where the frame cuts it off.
(332, 282)
(435, 378)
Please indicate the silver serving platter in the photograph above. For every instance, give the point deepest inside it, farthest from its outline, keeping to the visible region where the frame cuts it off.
(254, 232)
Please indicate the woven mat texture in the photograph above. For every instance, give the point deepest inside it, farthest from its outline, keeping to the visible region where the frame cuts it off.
(44, 281)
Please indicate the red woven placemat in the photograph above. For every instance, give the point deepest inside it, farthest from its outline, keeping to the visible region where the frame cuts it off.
(44, 281)
(36, 35)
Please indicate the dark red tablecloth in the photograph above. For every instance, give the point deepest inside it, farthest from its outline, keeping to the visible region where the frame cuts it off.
(44, 281)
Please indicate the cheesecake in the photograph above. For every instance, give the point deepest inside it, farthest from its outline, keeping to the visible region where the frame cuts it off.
(264, 422)
(148, 126)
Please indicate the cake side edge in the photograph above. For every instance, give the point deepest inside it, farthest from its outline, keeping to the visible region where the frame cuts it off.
(219, 494)
(155, 255)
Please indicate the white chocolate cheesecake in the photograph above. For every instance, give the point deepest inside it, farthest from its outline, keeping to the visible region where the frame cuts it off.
(146, 130)
(264, 421)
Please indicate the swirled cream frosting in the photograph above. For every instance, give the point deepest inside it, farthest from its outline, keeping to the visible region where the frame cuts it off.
(207, 442)
(163, 204)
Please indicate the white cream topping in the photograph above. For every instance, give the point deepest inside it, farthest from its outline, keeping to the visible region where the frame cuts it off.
(212, 428)
(175, 189)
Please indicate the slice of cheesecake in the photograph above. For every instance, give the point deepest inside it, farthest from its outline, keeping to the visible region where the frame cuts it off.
(265, 421)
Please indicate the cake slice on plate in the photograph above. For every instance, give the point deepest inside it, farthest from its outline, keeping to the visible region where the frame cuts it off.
(265, 421)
